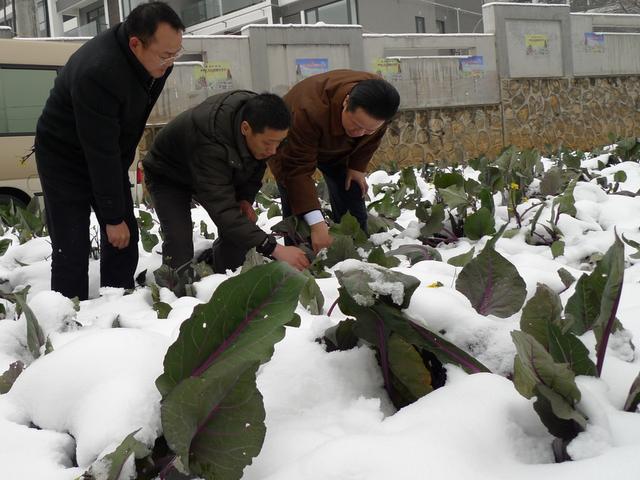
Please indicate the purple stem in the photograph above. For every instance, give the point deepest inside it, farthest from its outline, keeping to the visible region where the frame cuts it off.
(332, 307)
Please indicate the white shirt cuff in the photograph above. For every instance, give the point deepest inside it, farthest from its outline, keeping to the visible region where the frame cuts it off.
(313, 217)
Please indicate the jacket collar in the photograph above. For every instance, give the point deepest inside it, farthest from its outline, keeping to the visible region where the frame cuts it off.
(138, 68)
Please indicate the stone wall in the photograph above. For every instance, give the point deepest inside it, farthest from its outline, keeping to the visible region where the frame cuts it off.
(578, 113)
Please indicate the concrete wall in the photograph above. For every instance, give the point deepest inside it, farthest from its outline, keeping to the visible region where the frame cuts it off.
(532, 80)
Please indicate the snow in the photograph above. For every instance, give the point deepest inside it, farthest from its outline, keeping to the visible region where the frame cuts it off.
(328, 416)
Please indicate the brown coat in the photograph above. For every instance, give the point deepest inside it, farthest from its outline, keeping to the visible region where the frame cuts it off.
(316, 136)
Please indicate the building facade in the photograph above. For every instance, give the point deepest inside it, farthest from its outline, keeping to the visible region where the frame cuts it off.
(86, 18)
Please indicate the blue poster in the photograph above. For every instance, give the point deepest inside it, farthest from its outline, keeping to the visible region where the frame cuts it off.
(305, 67)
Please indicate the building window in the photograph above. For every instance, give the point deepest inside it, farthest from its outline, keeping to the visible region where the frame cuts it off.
(343, 12)
(295, 18)
(23, 93)
(440, 26)
(42, 18)
(97, 15)
(420, 25)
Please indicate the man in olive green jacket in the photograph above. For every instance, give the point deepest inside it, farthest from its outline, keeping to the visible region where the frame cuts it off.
(215, 153)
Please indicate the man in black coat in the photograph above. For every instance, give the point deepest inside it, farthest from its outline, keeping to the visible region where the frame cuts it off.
(86, 140)
(215, 152)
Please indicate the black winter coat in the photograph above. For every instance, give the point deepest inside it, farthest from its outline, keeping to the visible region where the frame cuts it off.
(203, 150)
(92, 122)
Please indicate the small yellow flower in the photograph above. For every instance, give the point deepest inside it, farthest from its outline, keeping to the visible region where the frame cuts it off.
(524, 199)
(435, 285)
(514, 186)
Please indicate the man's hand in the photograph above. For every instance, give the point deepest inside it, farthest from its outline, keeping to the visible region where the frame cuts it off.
(291, 255)
(359, 178)
(320, 236)
(118, 235)
(247, 210)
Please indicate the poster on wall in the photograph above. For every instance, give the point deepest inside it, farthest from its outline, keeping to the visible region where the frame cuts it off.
(594, 42)
(472, 67)
(213, 76)
(305, 67)
(388, 68)
(537, 44)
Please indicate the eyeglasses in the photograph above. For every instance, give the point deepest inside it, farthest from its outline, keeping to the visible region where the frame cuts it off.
(172, 58)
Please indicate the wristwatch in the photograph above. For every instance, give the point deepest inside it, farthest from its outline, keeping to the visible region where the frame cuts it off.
(267, 246)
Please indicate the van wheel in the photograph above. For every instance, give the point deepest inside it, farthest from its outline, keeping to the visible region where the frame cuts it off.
(20, 199)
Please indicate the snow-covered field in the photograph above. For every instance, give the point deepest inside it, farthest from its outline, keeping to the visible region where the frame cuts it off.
(327, 414)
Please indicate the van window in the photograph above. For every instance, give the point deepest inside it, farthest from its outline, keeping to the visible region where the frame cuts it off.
(23, 93)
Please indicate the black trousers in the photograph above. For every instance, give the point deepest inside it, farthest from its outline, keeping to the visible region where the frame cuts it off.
(172, 203)
(68, 225)
(342, 201)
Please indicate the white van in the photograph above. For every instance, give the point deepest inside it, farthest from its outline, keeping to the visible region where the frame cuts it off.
(28, 69)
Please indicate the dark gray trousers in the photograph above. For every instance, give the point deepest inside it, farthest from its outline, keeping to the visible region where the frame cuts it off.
(172, 203)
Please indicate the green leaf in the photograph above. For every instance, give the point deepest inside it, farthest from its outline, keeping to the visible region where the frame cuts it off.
(633, 399)
(341, 336)
(311, 296)
(543, 309)
(565, 347)
(274, 211)
(215, 423)
(204, 231)
(445, 179)
(408, 178)
(48, 346)
(35, 336)
(251, 260)
(341, 249)
(241, 323)
(9, 377)
(479, 224)
(386, 207)
(162, 309)
(409, 368)
(595, 300)
(462, 259)
(370, 283)
(167, 277)
(435, 222)
(557, 414)
(486, 200)
(417, 253)
(4, 245)
(557, 248)
(378, 257)
(350, 227)
(566, 201)
(551, 182)
(149, 240)
(620, 176)
(295, 321)
(565, 277)
(492, 284)
(539, 367)
(155, 292)
(145, 220)
(295, 228)
(110, 466)
(524, 383)
(454, 196)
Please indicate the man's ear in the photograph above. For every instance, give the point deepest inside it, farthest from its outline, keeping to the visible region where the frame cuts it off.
(134, 42)
(245, 128)
(345, 102)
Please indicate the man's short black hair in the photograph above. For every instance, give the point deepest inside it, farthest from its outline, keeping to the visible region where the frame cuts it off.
(375, 96)
(266, 110)
(143, 20)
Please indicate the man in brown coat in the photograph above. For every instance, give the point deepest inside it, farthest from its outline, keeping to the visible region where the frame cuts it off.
(338, 121)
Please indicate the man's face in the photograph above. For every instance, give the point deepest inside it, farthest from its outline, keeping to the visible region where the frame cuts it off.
(358, 123)
(262, 145)
(160, 51)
